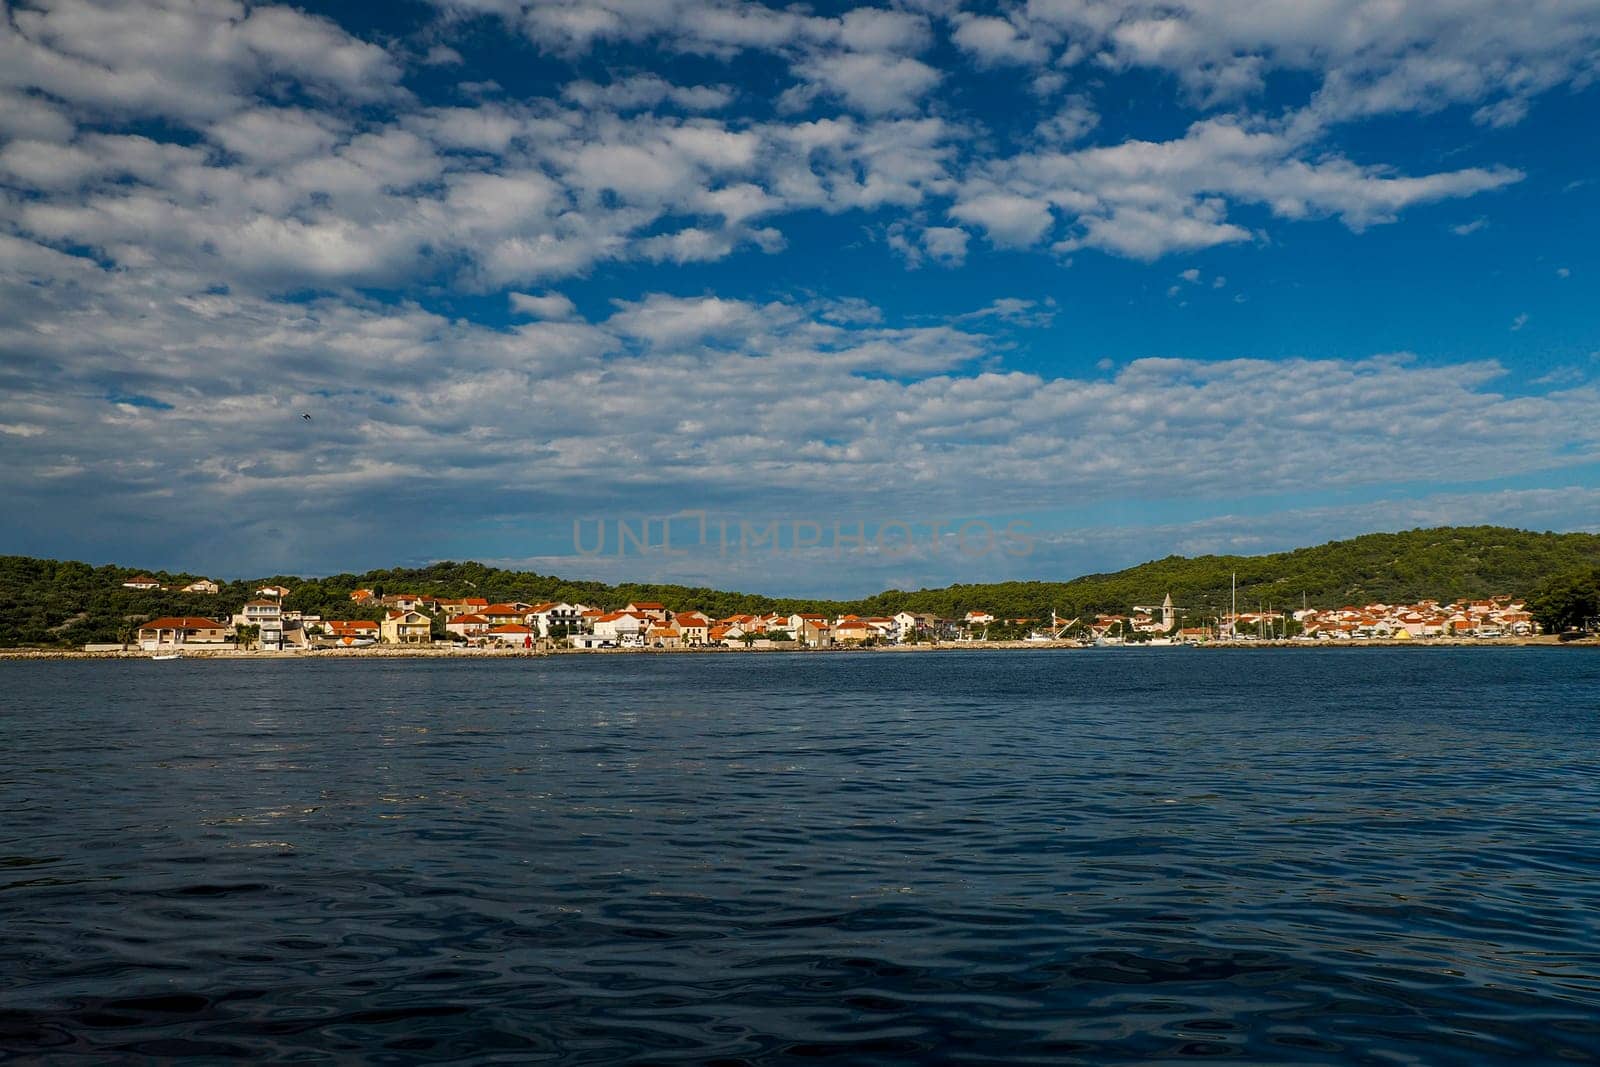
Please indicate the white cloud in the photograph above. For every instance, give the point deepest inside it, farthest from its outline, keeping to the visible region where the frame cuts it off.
(647, 91)
(1009, 219)
(1369, 56)
(993, 41)
(1147, 198)
(671, 399)
(191, 61)
(874, 83)
(1519, 322)
(1071, 122)
(945, 244)
(543, 305)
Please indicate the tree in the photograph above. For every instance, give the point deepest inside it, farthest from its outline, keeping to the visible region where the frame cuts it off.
(246, 636)
(1568, 601)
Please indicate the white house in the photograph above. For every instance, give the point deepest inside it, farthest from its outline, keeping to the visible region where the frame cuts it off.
(623, 627)
(548, 617)
(907, 623)
(204, 585)
(266, 614)
(515, 634)
(144, 581)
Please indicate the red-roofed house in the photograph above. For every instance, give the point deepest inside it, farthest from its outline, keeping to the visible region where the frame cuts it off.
(512, 633)
(812, 630)
(505, 614)
(852, 632)
(467, 625)
(181, 630)
(406, 628)
(144, 581)
(623, 627)
(354, 629)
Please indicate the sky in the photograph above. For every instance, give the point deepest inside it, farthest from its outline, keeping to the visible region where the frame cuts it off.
(812, 300)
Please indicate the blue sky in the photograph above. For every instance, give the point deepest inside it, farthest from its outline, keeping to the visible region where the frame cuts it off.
(1140, 277)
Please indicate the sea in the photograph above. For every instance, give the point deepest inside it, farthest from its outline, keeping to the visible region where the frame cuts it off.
(1381, 856)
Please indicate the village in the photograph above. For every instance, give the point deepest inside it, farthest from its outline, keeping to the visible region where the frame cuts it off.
(405, 620)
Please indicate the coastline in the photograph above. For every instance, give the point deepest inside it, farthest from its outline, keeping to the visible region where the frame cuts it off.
(436, 652)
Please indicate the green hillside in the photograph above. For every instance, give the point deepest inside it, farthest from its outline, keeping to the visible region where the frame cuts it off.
(1444, 564)
(45, 602)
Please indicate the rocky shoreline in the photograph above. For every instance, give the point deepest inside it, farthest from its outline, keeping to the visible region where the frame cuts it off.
(452, 652)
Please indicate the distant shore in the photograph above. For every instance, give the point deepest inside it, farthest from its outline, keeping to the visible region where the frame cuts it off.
(438, 652)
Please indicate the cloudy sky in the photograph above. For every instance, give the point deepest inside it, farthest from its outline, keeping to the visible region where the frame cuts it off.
(1123, 277)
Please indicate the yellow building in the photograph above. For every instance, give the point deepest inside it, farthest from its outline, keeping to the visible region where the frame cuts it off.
(406, 628)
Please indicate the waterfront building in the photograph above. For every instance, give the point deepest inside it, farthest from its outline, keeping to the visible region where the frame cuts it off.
(351, 629)
(467, 625)
(406, 628)
(267, 616)
(181, 630)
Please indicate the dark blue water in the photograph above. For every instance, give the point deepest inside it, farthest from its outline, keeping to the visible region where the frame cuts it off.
(1042, 857)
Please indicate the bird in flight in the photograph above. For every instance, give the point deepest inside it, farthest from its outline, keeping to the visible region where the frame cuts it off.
(306, 415)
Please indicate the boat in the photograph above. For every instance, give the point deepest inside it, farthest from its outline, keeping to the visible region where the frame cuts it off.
(167, 655)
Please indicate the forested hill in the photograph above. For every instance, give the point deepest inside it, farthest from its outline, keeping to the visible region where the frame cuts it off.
(1444, 564)
(63, 603)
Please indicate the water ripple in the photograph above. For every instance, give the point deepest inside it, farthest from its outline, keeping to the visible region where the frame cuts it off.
(1142, 856)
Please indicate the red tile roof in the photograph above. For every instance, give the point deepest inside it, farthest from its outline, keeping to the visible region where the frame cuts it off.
(183, 622)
